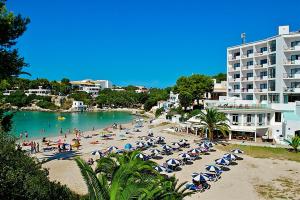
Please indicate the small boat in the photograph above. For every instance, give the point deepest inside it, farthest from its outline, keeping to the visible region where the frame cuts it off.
(61, 118)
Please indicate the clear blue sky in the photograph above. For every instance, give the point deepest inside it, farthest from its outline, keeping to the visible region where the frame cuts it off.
(142, 42)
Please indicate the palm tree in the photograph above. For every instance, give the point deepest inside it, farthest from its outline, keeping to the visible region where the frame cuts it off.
(126, 177)
(294, 142)
(212, 120)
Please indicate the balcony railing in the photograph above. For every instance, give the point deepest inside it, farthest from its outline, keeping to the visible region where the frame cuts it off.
(289, 75)
(292, 89)
(247, 90)
(294, 48)
(247, 78)
(261, 78)
(261, 90)
(292, 62)
(248, 67)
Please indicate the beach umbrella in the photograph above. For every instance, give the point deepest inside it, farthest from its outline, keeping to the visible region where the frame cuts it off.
(194, 151)
(222, 161)
(176, 145)
(237, 151)
(150, 140)
(200, 177)
(183, 140)
(212, 168)
(155, 151)
(166, 147)
(128, 146)
(204, 145)
(140, 144)
(173, 162)
(142, 156)
(203, 150)
(160, 138)
(184, 155)
(112, 149)
(160, 168)
(97, 152)
(229, 156)
(210, 144)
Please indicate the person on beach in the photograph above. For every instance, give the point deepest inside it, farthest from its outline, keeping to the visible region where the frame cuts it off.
(21, 136)
(61, 131)
(37, 147)
(31, 147)
(93, 128)
(26, 135)
(34, 147)
(65, 135)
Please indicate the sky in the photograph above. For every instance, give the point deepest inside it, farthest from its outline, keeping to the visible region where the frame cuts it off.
(142, 42)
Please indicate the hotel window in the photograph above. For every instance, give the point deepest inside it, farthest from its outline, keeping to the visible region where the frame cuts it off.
(264, 61)
(272, 73)
(294, 57)
(273, 45)
(263, 86)
(263, 49)
(295, 43)
(249, 97)
(264, 73)
(273, 59)
(236, 65)
(249, 118)
(263, 98)
(236, 54)
(295, 84)
(250, 51)
(236, 87)
(236, 76)
(295, 71)
(235, 118)
(260, 118)
(249, 75)
(250, 63)
(277, 116)
(249, 86)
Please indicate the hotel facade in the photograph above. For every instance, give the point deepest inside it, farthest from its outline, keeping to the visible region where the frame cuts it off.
(263, 93)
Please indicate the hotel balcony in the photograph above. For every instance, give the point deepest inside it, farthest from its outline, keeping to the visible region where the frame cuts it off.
(234, 79)
(261, 90)
(261, 78)
(292, 49)
(291, 89)
(264, 53)
(250, 55)
(265, 65)
(234, 90)
(247, 90)
(234, 69)
(250, 67)
(292, 62)
(234, 58)
(291, 76)
(245, 79)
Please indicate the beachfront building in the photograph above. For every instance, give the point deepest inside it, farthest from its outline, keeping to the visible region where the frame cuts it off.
(39, 92)
(91, 86)
(78, 106)
(267, 70)
(141, 89)
(219, 89)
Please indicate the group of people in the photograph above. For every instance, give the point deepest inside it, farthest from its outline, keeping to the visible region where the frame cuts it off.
(34, 147)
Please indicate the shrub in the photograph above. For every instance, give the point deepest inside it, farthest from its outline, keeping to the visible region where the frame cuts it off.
(47, 105)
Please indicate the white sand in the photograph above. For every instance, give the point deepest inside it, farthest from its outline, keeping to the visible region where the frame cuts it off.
(238, 183)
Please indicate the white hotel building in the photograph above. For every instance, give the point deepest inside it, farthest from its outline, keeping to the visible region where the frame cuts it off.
(263, 88)
(91, 86)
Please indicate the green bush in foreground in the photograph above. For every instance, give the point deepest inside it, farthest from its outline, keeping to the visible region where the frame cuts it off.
(47, 105)
(21, 177)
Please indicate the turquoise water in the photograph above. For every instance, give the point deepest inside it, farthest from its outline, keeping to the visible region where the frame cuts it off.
(43, 124)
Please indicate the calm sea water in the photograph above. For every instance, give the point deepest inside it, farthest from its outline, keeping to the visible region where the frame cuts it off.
(43, 124)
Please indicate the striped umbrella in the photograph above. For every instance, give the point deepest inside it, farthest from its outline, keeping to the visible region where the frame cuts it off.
(155, 151)
(112, 149)
(166, 147)
(140, 144)
(160, 168)
(204, 145)
(237, 151)
(173, 162)
(194, 151)
(176, 145)
(150, 140)
(229, 156)
(160, 138)
(184, 155)
(212, 168)
(142, 156)
(222, 161)
(200, 177)
(183, 140)
(97, 152)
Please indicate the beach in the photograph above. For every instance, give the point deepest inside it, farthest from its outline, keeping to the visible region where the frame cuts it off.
(242, 181)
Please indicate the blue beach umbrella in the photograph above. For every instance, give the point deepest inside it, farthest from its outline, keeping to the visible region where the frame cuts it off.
(237, 151)
(200, 177)
(173, 162)
(128, 146)
(160, 168)
(184, 155)
(212, 168)
(112, 149)
(166, 147)
(97, 152)
(222, 161)
(155, 151)
(142, 156)
(229, 156)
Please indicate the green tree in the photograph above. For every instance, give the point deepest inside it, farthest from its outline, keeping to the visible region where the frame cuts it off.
(220, 77)
(82, 96)
(197, 85)
(11, 28)
(185, 99)
(294, 142)
(213, 120)
(18, 98)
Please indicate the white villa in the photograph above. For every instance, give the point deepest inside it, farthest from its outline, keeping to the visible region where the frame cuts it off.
(39, 92)
(78, 106)
(91, 86)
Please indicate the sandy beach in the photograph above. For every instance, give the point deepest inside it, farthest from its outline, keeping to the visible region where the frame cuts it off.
(240, 182)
